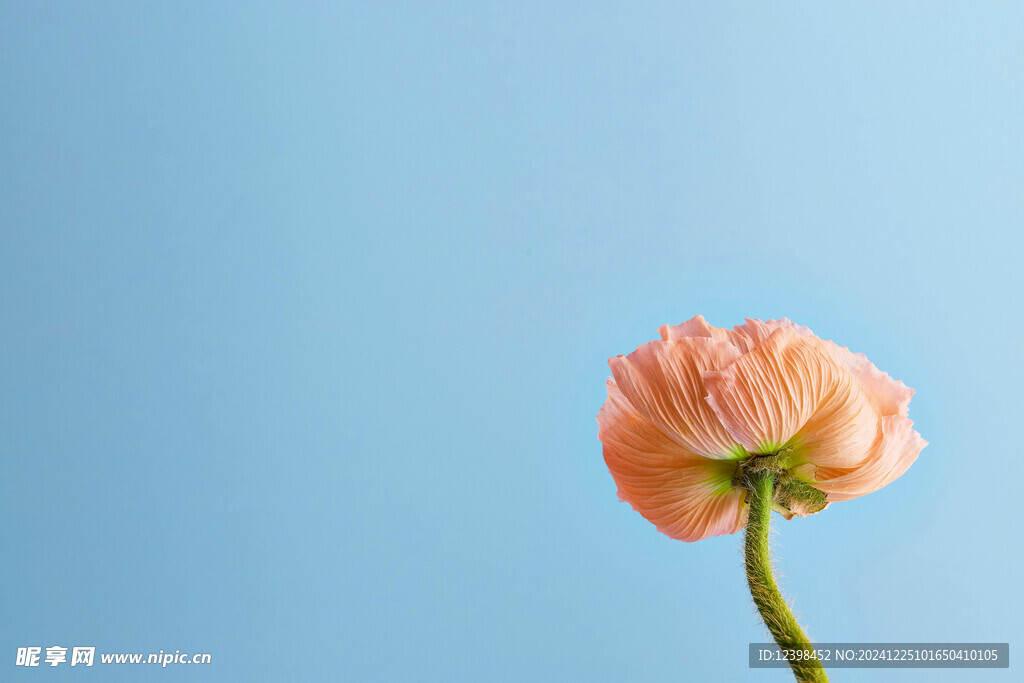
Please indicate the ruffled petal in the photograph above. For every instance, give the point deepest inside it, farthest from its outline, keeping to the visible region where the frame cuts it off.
(895, 450)
(789, 393)
(889, 396)
(753, 331)
(697, 326)
(688, 497)
(663, 381)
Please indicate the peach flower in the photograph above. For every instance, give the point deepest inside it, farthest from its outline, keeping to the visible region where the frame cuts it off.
(686, 414)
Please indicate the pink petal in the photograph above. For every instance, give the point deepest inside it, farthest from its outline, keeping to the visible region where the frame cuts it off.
(697, 326)
(889, 396)
(788, 392)
(688, 497)
(753, 331)
(663, 381)
(895, 450)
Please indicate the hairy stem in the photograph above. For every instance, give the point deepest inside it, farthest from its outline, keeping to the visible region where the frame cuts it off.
(773, 608)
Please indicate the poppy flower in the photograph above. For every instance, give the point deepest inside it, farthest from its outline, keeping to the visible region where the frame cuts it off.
(687, 414)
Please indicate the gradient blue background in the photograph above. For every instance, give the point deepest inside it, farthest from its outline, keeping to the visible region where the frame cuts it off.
(305, 313)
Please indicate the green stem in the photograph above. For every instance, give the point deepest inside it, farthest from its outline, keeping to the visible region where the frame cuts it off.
(773, 608)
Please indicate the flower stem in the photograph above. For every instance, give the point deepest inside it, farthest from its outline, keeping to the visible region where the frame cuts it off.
(773, 608)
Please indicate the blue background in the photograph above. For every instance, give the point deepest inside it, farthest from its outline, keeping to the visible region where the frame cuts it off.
(305, 313)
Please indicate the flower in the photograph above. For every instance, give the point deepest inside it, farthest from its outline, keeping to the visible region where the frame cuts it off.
(685, 415)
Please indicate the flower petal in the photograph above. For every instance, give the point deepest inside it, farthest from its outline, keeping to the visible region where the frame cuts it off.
(663, 380)
(697, 326)
(789, 393)
(688, 497)
(895, 450)
(889, 396)
(753, 331)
